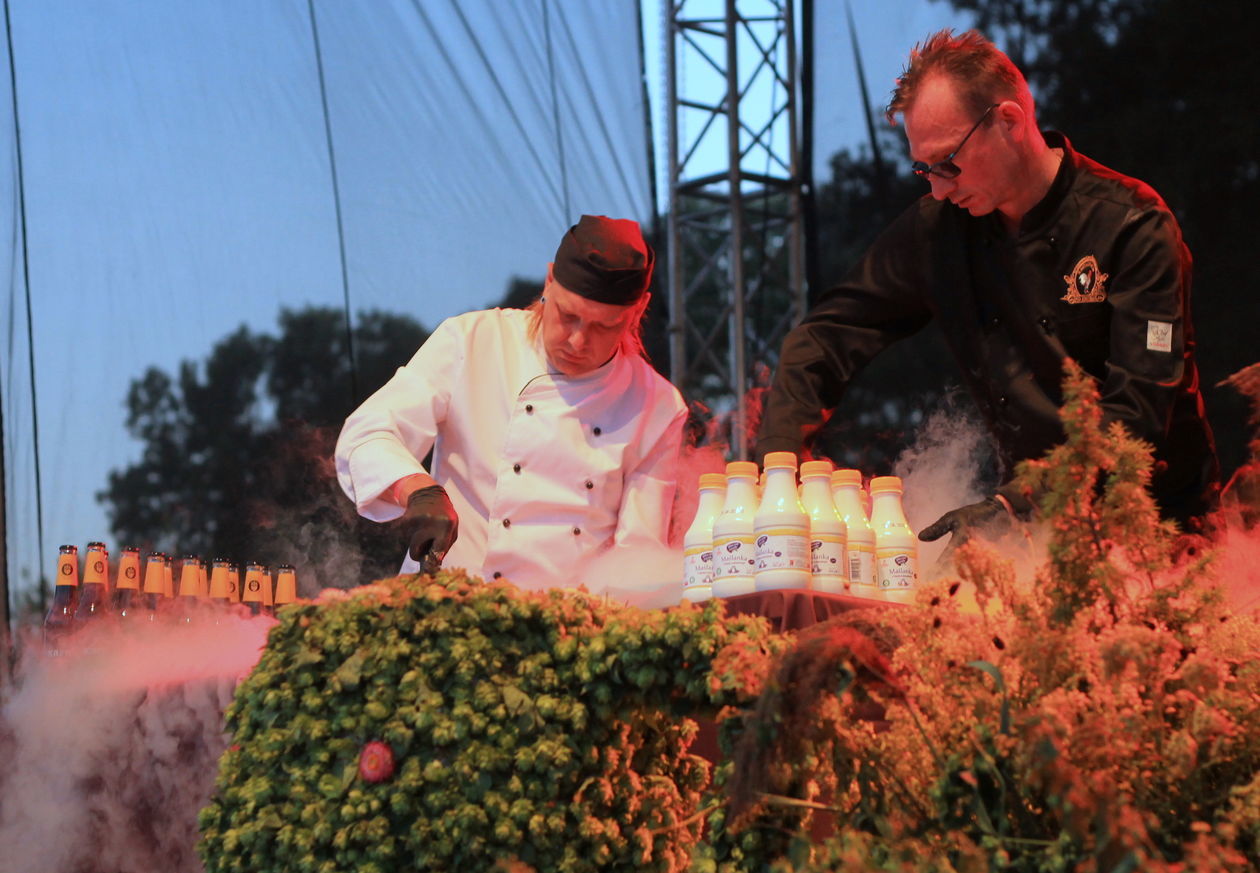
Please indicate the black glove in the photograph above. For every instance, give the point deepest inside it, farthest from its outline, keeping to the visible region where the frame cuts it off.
(965, 520)
(433, 523)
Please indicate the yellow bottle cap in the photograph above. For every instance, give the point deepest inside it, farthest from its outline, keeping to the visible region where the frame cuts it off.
(816, 468)
(129, 569)
(286, 585)
(885, 484)
(778, 460)
(712, 480)
(742, 468)
(846, 477)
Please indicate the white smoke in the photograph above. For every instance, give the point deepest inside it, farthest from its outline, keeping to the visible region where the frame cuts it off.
(111, 750)
(941, 471)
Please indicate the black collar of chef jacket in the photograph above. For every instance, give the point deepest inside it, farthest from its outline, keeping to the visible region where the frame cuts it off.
(1039, 217)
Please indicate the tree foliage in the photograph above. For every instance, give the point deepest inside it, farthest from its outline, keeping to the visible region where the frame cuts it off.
(237, 449)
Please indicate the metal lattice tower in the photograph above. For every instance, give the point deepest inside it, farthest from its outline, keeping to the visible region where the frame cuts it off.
(735, 227)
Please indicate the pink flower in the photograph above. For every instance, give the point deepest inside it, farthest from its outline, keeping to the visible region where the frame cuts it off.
(376, 762)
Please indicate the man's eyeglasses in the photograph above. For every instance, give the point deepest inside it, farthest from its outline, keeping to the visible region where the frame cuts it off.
(947, 169)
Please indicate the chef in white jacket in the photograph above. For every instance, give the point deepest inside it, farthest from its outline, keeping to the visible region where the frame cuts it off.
(553, 439)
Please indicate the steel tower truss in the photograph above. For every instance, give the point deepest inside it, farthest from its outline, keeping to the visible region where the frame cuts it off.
(736, 276)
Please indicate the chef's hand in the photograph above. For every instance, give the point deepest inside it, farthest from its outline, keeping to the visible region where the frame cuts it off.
(965, 521)
(433, 522)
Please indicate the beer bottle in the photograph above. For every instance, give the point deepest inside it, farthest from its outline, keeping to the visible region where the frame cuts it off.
(60, 619)
(127, 603)
(286, 585)
(189, 599)
(154, 584)
(168, 578)
(220, 580)
(94, 593)
(269, 589)
(220, 592)
(252, 592)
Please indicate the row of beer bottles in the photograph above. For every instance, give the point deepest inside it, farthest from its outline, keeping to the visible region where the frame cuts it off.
(92, 598)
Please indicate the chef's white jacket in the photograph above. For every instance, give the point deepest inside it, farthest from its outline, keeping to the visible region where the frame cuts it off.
(546, 471)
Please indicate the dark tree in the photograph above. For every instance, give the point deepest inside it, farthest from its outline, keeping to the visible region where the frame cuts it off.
(237, 449)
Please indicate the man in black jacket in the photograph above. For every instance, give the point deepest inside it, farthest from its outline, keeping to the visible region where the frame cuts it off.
(1027, 252)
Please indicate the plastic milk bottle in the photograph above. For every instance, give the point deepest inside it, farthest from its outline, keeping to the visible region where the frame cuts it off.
(846, 491)
(782, 528)
(896, 547)
(698, 540)
(829, 565)
(733, 532)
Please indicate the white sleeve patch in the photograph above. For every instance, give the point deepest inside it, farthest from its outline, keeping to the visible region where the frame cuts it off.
(1159, 336)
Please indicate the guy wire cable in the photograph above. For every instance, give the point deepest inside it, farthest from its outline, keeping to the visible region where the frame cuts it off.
(555, 109)
(26, 281)
(336, 190)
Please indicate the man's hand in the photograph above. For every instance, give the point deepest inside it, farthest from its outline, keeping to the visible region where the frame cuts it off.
(965, 521)
(433, 522)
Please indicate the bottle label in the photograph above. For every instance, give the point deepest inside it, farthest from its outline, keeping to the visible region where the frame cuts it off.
(732, 556)
(897, 569)
(827, 556)
(697, 567)
(861, 564)
(783, 549)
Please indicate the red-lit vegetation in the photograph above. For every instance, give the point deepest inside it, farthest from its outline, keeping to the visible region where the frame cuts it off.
(1104, 718)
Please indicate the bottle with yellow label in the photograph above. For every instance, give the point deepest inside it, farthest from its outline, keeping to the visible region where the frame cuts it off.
(59, 622)
(698, 540)
(127, 599)
(896, 546)
(733, 551)
(781, 528)
(94, 594)
(829, 565)
(256, 593)
(286, 584)
(154, 585)
(846, 491)
(189, 600)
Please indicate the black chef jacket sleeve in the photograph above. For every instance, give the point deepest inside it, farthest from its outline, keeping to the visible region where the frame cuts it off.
(880, 301)
(1146, 367)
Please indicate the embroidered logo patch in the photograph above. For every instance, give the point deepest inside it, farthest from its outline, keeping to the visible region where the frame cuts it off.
(1087, 283)
(1159, 336)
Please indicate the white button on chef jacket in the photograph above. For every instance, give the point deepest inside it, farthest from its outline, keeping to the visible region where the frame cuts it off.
(597, 453)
